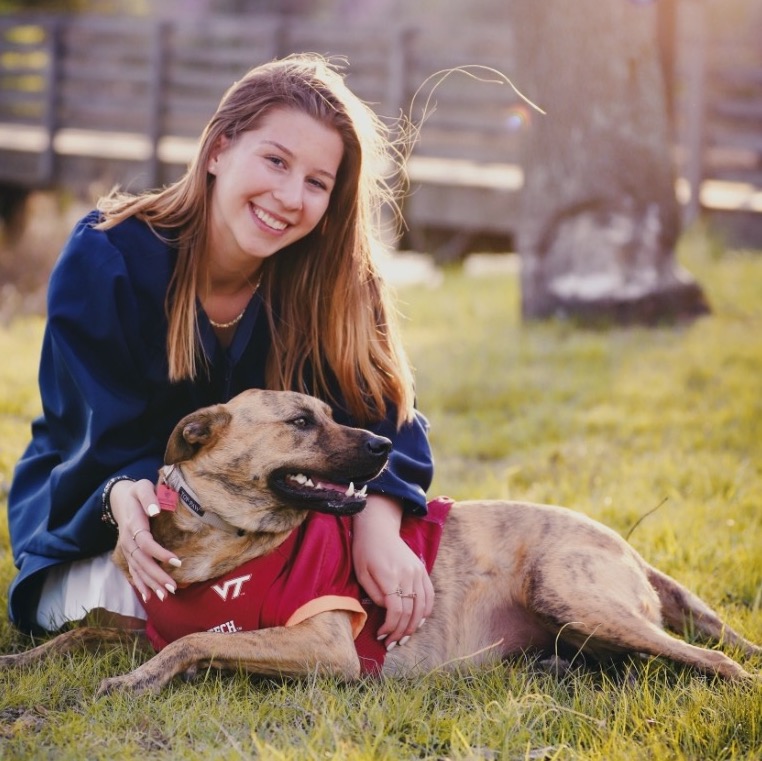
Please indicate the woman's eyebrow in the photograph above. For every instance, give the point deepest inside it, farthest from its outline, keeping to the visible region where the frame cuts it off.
(290, 154)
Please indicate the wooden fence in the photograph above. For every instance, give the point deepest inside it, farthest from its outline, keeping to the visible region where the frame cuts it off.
(718, 112)
(88, 100)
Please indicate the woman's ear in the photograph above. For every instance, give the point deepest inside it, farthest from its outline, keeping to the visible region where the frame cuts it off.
(220, 145)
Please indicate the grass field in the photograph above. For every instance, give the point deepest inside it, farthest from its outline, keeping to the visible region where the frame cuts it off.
(611, 422)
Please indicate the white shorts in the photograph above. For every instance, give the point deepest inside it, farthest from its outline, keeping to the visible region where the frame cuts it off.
(74, 589)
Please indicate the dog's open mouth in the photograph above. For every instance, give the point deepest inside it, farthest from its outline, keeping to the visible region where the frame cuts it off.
(319, 493)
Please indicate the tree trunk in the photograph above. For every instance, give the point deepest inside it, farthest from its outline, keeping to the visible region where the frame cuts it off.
(600, 218)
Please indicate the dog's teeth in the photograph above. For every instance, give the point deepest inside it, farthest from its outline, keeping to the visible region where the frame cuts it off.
(308, 482)
(300, 478)
(362, 492)
(350, 489)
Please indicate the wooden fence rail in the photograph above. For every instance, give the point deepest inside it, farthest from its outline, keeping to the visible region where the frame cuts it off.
(88, 100)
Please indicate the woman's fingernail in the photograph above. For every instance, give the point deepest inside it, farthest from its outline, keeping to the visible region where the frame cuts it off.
(176, 562)
(145, 599)
(160, 595)
(153, 509)
(382, 637)
(423, 621)
(391, 646)
(404, 639)
(170, 588)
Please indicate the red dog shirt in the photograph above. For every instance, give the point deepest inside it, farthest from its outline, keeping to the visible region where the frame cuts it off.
(309, 573)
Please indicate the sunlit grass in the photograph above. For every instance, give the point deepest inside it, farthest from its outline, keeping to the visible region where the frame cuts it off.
(614, 423)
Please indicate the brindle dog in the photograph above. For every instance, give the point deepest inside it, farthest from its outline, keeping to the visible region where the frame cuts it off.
(510, 577)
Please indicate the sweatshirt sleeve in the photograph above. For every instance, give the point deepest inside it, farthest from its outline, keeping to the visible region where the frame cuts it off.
(94, 386)
(410, 469)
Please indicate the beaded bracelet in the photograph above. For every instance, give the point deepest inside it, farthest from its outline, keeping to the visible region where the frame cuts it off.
(106, 515)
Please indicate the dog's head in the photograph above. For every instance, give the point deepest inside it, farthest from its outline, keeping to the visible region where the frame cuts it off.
(265, 457)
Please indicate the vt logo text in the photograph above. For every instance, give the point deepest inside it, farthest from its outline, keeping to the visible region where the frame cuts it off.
(231, 586)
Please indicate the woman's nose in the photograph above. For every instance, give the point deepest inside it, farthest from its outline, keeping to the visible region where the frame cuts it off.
(290, 193)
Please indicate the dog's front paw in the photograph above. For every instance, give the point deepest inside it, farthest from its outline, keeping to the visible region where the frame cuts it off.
(134, 683)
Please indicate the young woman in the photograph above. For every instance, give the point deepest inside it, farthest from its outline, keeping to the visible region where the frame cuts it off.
(253, 270)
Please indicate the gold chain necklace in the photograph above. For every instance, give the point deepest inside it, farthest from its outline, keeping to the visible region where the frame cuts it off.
(235, 320)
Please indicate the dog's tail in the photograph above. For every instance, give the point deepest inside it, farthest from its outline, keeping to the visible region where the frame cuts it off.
(689, 615)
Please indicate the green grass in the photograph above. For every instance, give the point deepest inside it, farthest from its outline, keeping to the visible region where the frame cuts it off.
(611, 422)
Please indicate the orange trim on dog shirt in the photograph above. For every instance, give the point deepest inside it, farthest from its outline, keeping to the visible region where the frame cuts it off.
(331, 602)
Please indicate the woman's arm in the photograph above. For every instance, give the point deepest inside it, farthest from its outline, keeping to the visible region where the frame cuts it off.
(101, 354)
(99, 390)
(384, 563)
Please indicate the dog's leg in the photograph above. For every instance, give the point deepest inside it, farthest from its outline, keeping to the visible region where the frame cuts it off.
(647, 638)
(82, 638)
(323, 643)
(683, 611)
(625, 629)
(605, 604)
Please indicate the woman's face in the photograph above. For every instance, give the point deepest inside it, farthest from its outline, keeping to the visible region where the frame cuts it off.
(272, 187)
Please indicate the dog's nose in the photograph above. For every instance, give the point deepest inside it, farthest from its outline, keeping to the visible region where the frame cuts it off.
(378, 446)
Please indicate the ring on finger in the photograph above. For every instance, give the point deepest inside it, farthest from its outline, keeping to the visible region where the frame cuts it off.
(134, 536)
(400, 593)
(134, 551)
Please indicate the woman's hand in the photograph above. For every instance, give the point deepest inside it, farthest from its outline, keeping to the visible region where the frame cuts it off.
(132, 502)
(384, 564)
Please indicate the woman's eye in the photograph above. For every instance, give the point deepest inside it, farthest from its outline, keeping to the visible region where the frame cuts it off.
(318, 184)
(276, 160)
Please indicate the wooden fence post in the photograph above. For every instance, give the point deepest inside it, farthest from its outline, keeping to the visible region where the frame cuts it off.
(156, 94)
(399, 65)
(47, 159)
(694, 108)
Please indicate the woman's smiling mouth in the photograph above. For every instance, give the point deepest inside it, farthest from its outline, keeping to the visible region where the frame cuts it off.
(268, 219)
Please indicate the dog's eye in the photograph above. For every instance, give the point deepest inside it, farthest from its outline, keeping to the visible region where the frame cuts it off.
(301, 422)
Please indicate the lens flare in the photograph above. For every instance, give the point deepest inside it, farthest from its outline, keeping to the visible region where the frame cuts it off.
(517, 118)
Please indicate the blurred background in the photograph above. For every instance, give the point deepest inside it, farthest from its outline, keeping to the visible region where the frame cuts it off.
(654, 117)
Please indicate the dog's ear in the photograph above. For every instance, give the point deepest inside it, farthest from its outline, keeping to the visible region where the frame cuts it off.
(195, 431)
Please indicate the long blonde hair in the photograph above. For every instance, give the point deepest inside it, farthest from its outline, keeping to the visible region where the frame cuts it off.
(331, 318)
